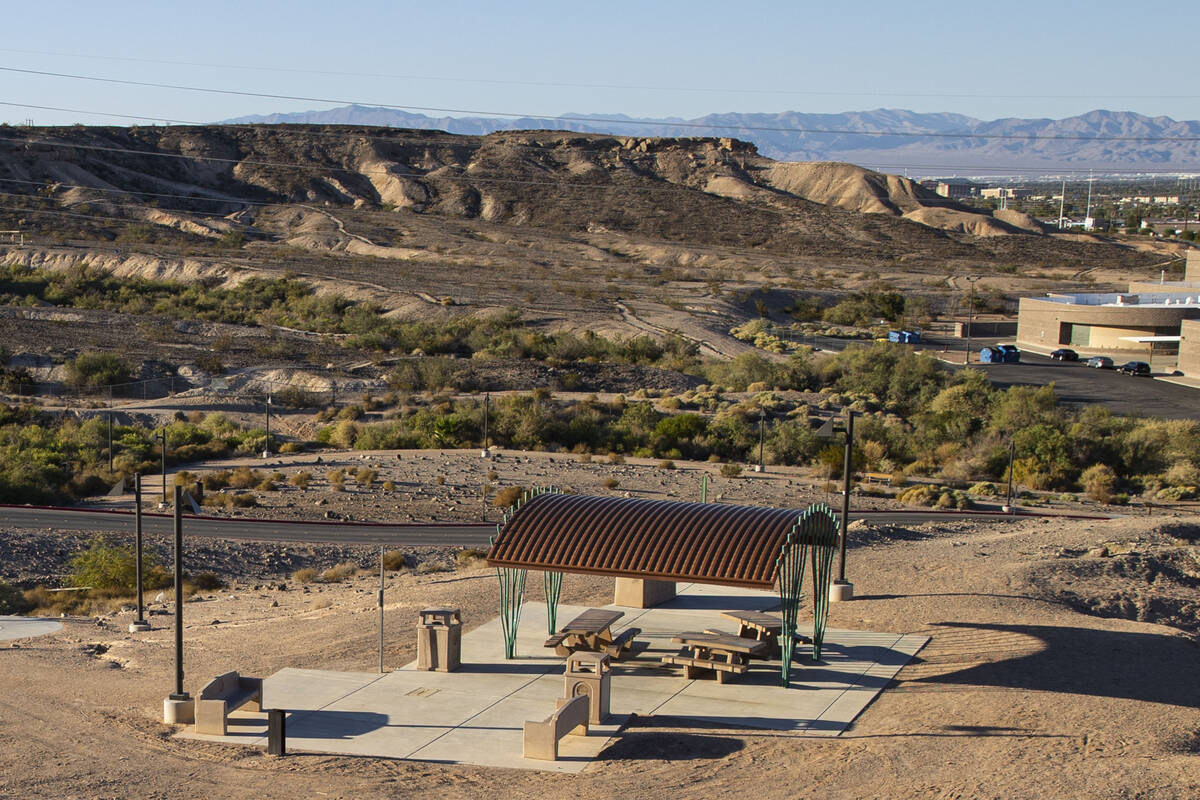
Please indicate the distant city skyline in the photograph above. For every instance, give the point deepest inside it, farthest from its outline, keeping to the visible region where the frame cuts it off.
(668, 59)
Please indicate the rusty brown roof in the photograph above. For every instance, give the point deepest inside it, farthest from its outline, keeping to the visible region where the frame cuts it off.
(661, 539)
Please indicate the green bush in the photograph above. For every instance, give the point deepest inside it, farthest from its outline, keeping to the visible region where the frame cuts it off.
(113, 567)
(12, 600)
(91, 371)
(731, 470)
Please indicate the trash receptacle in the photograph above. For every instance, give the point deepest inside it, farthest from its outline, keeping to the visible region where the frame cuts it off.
(439, 639)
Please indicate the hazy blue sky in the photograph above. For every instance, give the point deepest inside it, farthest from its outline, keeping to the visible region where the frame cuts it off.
(1024, 59)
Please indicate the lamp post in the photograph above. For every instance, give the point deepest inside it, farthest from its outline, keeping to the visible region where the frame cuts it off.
(1012, 450)
(971, 314)
(267, 442)
(486, 402)
(762, 417)
(110, 453)
(163, 435)
(843, 589)
(139, 624)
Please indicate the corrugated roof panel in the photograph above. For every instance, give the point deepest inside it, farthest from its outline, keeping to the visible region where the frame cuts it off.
(624, 537)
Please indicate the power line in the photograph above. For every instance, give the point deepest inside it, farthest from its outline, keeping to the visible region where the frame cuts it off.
(620, 86)
(607, 120)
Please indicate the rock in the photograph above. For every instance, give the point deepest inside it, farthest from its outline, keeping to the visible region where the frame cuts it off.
(1098, 552)
(161, 597)
(274, 604)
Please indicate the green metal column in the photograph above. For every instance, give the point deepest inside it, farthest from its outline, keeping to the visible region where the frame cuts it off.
(552, 582)
(791, 584)
(512, 594)
(824, 540)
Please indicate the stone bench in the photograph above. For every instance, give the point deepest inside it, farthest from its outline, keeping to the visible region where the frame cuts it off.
(541, 738)
(223, 694)
(622, 642)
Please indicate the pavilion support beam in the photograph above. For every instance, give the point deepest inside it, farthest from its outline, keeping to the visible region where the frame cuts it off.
(552, 582)
(791, 585)
(512, 594)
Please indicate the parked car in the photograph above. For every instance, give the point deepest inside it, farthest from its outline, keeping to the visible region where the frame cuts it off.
(1100, 362)
(1064, 354)
(1135, 368)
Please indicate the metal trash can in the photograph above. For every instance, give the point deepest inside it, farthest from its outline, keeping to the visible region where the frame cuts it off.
(439, 639)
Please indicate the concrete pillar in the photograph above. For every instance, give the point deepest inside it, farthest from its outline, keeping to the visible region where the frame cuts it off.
(642, 593)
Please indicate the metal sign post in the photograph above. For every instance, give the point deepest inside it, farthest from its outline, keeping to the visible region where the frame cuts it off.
(139, 624)
(381, 609)
(842, 589)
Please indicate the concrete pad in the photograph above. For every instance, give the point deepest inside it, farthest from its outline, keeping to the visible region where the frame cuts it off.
(26, 627)
(477, 714)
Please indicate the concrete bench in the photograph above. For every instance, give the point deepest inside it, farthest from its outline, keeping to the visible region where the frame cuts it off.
(541, 738)
(692, 665)
(223, 694)
(622, 642)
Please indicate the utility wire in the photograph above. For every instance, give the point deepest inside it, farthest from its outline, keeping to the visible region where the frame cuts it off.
(624, 87)
(607, 120)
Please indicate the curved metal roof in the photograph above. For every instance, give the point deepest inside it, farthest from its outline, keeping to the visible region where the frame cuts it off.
(657, 539)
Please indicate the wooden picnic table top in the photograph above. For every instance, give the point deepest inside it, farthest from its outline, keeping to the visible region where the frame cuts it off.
(592, 621)
(759, 620)
(723, 641)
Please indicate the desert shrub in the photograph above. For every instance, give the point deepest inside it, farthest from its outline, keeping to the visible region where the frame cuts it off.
(217, 480)
(290, 447)
(300, 479)
(431, 567)
(340, 572)
(731, 470)
(306, 575)
(898, 478)
(184, 478)
(616, 458)
(247, 500)
(508, 496)
(492, 475)
(244, 477)
(265, 485)
(666, 464)
(337, 479)
(365, 476)
(1182, 473)
(1176, 493)
(440, 480)
(113, 567)
(984, 489)
(470, 558)
(90, 371)
(13, 600)
(611, 483)
(921, 495)
(389, 487)
(585, 458)
(394, 560)
(206, 582)
(1098, 481)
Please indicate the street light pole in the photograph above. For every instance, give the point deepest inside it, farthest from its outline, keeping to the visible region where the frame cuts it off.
(842, 589)
(762, 416)
(163, 434)
(267, 443)
(486, 401)
(1012, 450)
(110, 453)
(139, 624)
(971, 314)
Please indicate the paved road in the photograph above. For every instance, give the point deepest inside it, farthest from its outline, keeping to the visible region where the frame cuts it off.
(464, 535)
(1080, 385)
(1075, 383)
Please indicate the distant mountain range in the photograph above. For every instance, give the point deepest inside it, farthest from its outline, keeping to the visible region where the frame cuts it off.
(922, 144)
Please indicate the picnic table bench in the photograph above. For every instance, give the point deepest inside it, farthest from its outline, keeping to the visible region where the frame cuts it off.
(592, 631)
(722, 653)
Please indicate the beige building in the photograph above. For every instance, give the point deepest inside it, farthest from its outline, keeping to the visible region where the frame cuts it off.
(1189, 348)
(1152, 319)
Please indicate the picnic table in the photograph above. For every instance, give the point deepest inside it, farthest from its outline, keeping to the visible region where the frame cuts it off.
(723, 653)
(758, 625)
(592, 631)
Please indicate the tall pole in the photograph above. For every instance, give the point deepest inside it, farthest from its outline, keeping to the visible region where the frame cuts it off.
(971, 314)
(381, 610)
(137, 535)
(164, 465)
(110, 453)
(179, 693)
(486, 402)
(1062, 199)
(762, 416)
(1012, 450)
(841, 578)
(267, 444)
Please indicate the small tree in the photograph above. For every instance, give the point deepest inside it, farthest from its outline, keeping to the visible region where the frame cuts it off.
(1098, 481)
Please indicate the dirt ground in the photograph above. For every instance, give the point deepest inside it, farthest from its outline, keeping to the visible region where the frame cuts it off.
(1023, 690)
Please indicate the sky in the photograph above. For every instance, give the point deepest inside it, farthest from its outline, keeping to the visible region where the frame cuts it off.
(650, 59)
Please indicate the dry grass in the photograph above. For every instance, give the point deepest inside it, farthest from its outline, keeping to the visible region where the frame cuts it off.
(340, 572)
